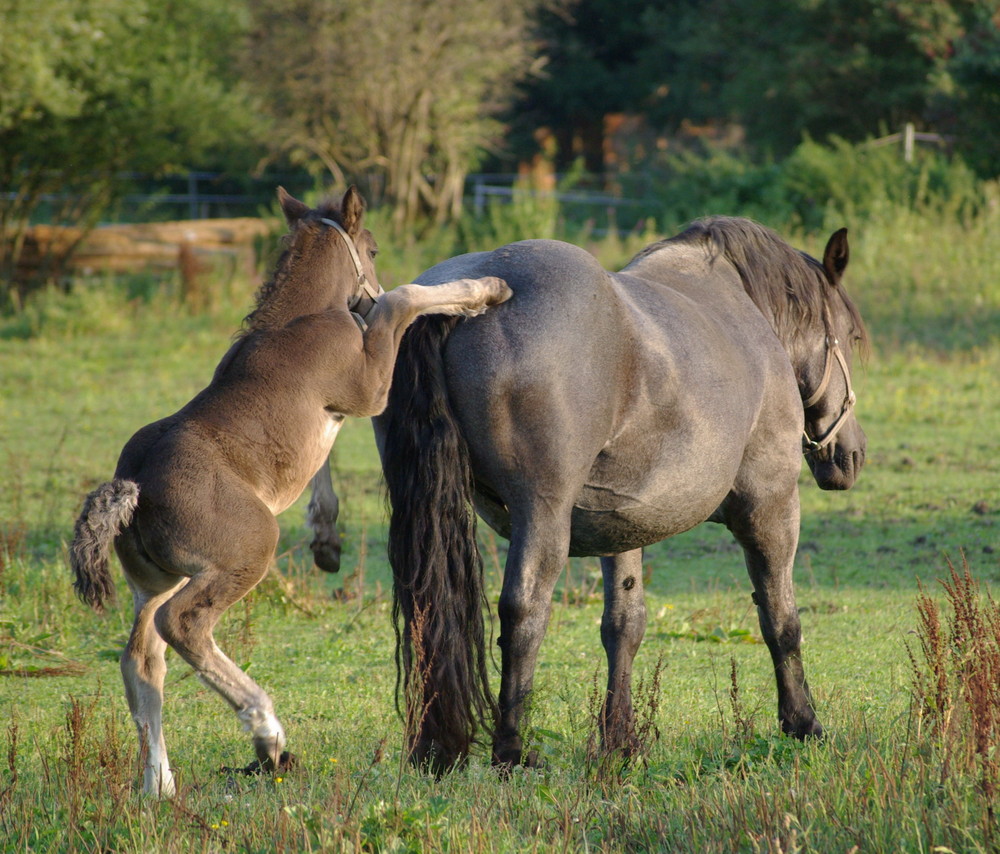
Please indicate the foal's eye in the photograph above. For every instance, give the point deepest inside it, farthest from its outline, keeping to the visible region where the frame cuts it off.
(372, 253)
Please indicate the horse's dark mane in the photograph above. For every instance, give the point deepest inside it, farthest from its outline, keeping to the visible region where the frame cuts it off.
(267, 300)
(788, 285)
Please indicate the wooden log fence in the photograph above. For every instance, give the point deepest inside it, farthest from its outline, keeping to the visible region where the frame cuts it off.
(66, 250)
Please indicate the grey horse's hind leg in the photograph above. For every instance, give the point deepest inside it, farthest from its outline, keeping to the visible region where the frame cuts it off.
(321, 517)
(769, 536)
(622, 628)
(539, 546)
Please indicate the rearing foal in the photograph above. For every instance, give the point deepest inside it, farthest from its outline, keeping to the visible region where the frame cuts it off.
(191, 509)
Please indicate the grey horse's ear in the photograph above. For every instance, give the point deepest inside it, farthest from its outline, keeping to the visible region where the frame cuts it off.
(352, 210)
(836, 256)
(293, 209)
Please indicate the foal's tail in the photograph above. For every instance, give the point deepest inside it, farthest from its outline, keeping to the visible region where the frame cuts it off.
(437, 568)
(106, 511)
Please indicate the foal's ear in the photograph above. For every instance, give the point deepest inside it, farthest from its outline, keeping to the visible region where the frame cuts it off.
(836, 256)
(352, 210)
(293, 209)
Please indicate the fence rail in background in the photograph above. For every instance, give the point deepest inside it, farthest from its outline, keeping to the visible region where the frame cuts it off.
(480, 188)
(52, 251)
(909, 136)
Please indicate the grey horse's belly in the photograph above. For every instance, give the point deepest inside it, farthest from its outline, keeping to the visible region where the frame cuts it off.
(611, 530)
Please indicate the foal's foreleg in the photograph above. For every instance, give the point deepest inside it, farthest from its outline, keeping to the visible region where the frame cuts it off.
(393, 315)
(321, 517)
(622, 628)
(467, 297)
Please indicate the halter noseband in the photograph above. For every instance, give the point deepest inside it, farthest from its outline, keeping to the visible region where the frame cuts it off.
(810, 445)
(364, 287)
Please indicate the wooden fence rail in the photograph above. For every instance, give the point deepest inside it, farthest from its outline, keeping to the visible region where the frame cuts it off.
(54, 251)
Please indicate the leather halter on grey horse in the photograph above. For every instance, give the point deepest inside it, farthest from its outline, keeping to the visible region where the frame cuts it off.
(811, 445)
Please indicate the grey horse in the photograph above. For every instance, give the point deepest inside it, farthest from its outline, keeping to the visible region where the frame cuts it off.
(594, 414)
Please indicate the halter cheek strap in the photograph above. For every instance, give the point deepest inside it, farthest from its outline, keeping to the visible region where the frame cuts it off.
(833, 351)
(364, 287)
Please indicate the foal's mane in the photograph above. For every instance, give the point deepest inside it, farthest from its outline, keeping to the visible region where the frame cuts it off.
(789, 286)
(272, 299)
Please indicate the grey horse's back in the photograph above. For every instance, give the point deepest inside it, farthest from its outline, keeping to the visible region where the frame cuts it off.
(560, 291)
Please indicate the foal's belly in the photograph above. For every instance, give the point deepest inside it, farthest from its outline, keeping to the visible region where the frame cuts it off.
(287, 486)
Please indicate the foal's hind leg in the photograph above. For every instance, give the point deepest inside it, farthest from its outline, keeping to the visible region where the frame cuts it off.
(769, 534)
(622, 628)
(143, 669)
(186, 622)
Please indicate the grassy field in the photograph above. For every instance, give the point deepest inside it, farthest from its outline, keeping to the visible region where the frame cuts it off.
(79, 373)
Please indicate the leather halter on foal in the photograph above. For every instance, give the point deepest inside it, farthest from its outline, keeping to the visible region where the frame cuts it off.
(833, 351)
(364, 288)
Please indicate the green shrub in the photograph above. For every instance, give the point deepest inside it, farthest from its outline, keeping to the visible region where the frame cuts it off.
(689, 185)
(863, 182)
(816, 185)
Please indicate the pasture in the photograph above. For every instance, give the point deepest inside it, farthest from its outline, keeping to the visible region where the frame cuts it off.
(80, 372)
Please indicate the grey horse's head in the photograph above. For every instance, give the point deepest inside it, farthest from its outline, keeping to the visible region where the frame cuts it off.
(834, 443)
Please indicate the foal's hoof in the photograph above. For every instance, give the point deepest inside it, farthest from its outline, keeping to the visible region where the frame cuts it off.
(430, 757)
(286, 762)
(627, 749)
(326, 555)
(532, 760)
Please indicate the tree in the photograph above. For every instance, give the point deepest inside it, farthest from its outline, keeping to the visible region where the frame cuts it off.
(92, 89)
(852, 68)
(975, 68)
(597, 63)
(399, 94)
(780, 69)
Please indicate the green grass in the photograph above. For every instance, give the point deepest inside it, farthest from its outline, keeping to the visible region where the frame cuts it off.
(79, 374)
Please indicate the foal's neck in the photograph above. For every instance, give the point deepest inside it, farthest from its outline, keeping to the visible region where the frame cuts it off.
(302, 284)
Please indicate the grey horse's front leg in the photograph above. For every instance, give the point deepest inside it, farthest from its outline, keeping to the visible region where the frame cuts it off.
(321, 517)
(622, 628)
(769, 537)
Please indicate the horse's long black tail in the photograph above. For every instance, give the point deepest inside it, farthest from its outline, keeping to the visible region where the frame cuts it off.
(437, 567)
(106, 511)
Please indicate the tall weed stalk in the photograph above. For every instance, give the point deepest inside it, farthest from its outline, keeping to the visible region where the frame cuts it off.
(956, 684)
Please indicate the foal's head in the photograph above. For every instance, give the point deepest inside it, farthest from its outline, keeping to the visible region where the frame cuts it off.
(328, 262)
